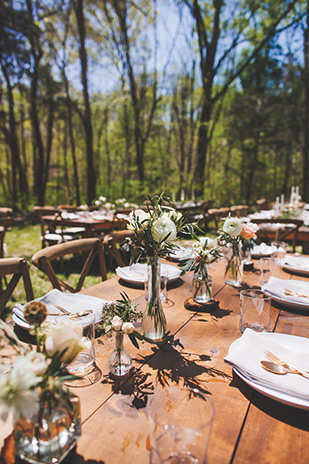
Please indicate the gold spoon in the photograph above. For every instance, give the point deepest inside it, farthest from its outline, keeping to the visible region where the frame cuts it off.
(276, 369)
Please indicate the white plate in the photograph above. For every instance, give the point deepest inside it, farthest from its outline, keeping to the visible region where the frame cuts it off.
(136, 273)
(286, 302)
(73, 302)
(292, 342)
(295, 268)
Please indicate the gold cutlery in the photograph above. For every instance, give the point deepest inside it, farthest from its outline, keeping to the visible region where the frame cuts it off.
(273, 358)
(297, 294)
(72, 315)
(276, 368)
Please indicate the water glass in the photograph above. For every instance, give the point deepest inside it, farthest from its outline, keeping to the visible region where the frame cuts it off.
(280, 249)
(266, 267)
(180, 423)
(255, 310)
(85, 361)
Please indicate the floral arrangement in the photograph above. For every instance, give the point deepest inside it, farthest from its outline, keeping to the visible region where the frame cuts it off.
(36, 376)
(206, 251)
(155, 229)
(119, 316)
(236, 232)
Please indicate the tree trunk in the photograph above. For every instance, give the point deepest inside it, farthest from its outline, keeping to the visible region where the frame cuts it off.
(18, 169)
(91, 176)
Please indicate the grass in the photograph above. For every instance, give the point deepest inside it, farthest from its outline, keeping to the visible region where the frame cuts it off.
(23, 240)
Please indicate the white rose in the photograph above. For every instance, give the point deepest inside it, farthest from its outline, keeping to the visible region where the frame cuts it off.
(116, 323)
(232, 226)
(102, 199)
(97, 203)
(139, 215)
(128, 328)
(66, 336)
(162, 227)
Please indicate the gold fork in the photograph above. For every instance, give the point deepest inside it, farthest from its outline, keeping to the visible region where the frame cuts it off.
(290, 292)
(272, 357)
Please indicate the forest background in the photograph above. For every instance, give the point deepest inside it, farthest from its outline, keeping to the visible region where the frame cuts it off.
(126, 98)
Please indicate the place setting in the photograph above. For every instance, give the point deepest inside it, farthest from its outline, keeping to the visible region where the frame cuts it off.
(252, 358)
(296, 265)
(136, 273)
(293, 294)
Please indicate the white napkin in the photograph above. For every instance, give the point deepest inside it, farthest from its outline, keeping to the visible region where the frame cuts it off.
(138, 272)
(263, 249)
(298, 262)
(72, 302)
(183, 253)
(245, 355)
(278, 287)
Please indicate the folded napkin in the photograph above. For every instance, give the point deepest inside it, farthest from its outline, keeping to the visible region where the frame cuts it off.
(72, 302)
(246, 353)
(278, 287)
(183, 253)
(138, 272)
(298, 262)
(263, 249)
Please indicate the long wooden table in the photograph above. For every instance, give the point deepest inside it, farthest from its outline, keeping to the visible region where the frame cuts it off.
(248, 426)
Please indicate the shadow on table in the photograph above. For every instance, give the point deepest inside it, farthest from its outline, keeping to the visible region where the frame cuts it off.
(172, 365)
(290, 415)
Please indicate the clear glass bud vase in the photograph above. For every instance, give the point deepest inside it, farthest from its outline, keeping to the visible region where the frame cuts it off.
(120, 361)
(234, 266)
(201, 288)
(49, 435)
(154, 320)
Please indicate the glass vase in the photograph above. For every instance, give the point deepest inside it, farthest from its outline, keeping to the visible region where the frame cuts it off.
(120, 361)
(234, 266)
(49, 435)
(154, 320)
(201, 288)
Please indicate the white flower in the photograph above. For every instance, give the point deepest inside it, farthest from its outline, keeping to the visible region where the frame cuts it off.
(102, 199)
(128, 328)
(68, 338)
(232, 226)
(15, 395)
(162, 227)
(35, 362)
(116, 323)
(138, 215)
(97, 203)
(126, 204)
(211, 242)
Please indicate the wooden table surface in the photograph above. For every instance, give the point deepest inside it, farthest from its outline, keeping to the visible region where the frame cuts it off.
(248, 426)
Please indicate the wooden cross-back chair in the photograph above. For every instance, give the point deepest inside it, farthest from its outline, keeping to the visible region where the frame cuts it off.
(17, 267)
(89, 247)
(52, 230)
(278, 229)
(113, 239)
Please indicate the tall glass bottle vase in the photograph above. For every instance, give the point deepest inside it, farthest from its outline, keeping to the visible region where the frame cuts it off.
(120, 361)
(48, 436)
(234, 266)
(154, 320)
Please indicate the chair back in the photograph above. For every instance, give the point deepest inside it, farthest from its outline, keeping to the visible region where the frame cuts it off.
(89, 247)
(279, 229)
(113, 239)
(17, 267)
